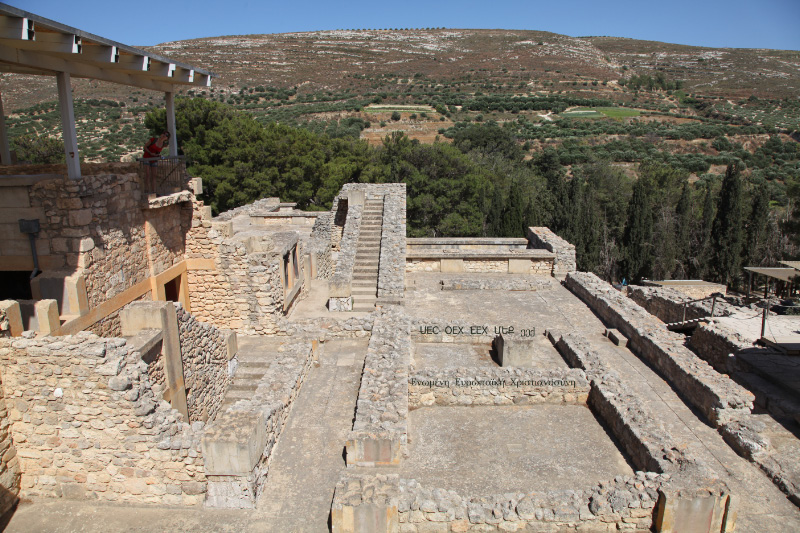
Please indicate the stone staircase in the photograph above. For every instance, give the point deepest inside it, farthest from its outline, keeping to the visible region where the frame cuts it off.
(365, 270)
(255, 357)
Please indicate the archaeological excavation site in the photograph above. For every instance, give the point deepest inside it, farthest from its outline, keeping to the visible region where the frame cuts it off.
(277, 369)
(285, 370)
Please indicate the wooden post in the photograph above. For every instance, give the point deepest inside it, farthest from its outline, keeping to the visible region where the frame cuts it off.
(68, 125)
(713, 304)
(749, 285)
(173, 140)
(764, 319)
(5, 151)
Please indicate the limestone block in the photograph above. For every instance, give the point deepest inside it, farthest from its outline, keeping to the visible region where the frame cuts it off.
(223, 227)
(452, 265)
(233, 444)
(231, 343)
(205, 212)
(11, 310)
(365, 517)
(47, 317)
(355, 197)
(339, 287)
(616, 337)
(695, 510)
(340, 304)
(514, 350)
(68, 288)
(196, 185)
(519, 266)
(371, 450)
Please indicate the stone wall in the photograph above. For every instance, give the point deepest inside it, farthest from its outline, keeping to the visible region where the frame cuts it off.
(565, 261)
(496, 386)
(264, 204)
(626, 503)
(497, 284)
(380, 429)
(9, 462)
(244, 291)
(87, 424)
(391, 270)
(100, 225)
(690, 289)
(238, 444)
(319, 245)
(205, 355)
(716, 395)
(718, 345)
(470, 261)
(668, 304)
(340, 282)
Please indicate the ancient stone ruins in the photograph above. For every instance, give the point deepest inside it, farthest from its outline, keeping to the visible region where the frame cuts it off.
(316, 370)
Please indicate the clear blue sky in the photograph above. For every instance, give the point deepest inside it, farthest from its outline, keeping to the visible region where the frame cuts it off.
(716, 23)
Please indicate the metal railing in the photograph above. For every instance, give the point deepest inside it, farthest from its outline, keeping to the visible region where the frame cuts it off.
(162, 175)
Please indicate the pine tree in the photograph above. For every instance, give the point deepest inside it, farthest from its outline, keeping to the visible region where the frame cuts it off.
(637, 239)
(727, 236)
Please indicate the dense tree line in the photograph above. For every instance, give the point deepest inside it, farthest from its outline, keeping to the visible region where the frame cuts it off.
(654, 225)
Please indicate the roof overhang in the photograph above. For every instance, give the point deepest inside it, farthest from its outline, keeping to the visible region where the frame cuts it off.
(783, 274)
(30, 44)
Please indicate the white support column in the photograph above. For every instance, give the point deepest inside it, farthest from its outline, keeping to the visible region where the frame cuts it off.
(68, 125)
(173, 140)
(5, 151)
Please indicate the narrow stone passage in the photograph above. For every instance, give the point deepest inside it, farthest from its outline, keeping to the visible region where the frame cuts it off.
(308, 458)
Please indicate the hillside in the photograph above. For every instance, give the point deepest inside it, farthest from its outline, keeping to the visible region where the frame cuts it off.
(360, 61)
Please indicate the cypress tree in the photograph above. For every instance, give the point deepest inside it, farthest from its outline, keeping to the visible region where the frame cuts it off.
(684, 231)
(703, 260)
(637, 239)
(514, 213)
(727, 236)
(753, 253)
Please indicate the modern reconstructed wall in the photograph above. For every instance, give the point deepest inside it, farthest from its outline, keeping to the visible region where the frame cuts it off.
(87, 424)
(101, 226)
(205, 351)
(565, 260)
(241, 288)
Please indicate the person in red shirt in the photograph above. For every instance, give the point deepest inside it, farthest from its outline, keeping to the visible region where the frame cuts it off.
(152, 152)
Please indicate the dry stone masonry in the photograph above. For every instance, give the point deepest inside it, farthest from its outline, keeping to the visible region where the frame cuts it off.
(565, 262)
(380, 429)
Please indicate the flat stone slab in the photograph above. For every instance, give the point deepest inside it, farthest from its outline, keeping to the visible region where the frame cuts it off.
(485, 450)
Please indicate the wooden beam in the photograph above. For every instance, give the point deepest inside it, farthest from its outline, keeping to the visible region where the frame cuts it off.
(33, 59)
(16, 28)
(100, 53)
(68, 125)
(57, 42)
(134, 62)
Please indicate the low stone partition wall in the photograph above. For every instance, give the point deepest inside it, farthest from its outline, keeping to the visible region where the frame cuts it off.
(279, 218)
(325, 327)
(496, 386)
(692, 288)
(716, 395)
(533, 262)
(466, 243)
(639, 432)
(718, 345)
(668, 304)
(537, 283)
(391, 269)
(565, 262)
(206, 352)
(340, 283)
(319, 246)
(380, 429)
(644, 502)
(264, 204)
(237, 445)
(87, 425)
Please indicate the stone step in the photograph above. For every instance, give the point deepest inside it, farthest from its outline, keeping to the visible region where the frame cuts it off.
(363, 308)
(234, 394)
(248, 371)
(254, 357)
(245, 384)
(359, 292)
